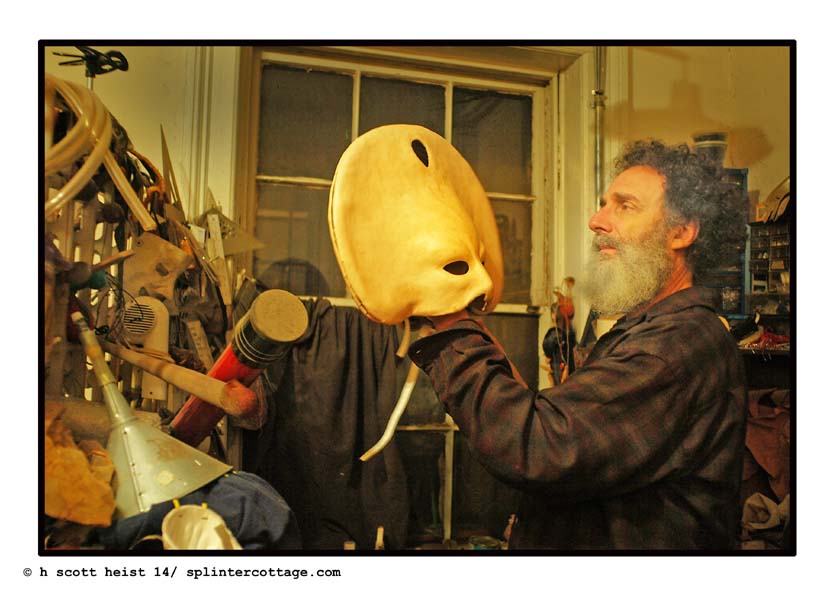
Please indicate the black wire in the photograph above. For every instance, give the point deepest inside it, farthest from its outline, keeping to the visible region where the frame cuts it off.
(120, 306)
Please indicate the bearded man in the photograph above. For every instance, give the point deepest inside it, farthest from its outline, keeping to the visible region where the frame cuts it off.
(642, 447)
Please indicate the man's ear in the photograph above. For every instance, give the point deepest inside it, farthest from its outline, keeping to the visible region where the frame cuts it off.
(684, 234)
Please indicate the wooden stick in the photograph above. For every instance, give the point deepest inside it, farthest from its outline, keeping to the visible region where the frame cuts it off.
(235, 400)
(113, 259)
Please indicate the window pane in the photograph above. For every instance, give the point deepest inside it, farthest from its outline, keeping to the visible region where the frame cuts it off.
(389, 101)
(298, 256)
(494, 132)
(305, 121)
(514, 224)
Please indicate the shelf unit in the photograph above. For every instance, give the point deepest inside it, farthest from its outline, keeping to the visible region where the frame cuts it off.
(769, 268)
(729, 280)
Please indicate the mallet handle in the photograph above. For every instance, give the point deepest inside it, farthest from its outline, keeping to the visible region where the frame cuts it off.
(209, 389)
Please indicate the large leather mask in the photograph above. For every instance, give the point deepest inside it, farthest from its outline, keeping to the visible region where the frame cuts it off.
(412, 227)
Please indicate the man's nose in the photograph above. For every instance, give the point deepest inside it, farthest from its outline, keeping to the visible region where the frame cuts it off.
(600, 222)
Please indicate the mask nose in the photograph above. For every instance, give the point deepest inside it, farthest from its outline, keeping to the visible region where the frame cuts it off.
(480, 286)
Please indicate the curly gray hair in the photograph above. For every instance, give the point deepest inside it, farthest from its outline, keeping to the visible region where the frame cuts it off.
(695, 190)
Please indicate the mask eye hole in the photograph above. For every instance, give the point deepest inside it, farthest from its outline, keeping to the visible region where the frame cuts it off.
(420, 151)
(458, 268)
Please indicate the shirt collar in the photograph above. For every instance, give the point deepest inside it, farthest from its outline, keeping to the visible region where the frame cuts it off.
(695, 296)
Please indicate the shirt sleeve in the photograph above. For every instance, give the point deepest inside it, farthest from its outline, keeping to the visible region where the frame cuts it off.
(614, 426)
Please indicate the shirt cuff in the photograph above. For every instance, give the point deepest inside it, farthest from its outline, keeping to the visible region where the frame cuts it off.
(425, 350)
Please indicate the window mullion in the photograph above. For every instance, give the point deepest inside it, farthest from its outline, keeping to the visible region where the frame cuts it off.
(510, 197)
(313, 182)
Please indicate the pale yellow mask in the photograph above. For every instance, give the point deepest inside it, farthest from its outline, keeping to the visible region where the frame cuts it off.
(412, 227)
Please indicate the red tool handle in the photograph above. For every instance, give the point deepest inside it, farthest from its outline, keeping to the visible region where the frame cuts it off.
(275, 320)
(197, 418)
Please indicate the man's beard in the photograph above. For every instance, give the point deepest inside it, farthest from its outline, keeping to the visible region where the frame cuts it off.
(633, 276)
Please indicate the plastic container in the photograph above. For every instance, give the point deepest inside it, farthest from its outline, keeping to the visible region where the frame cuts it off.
(711, 144)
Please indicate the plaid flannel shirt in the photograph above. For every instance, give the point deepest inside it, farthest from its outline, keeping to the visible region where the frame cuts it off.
(639, 449)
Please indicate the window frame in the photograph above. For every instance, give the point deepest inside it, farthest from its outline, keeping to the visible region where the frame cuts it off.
(443, 72)
(553, 152)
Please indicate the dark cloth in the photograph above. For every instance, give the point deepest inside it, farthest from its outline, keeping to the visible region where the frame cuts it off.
(641, 448)
(297, 276)
(558, 346)
(253, 511)
(329, 402)
(768, 443)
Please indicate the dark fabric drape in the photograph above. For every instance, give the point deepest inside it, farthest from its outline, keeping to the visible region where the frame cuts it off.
(767, 461)
(329, 402)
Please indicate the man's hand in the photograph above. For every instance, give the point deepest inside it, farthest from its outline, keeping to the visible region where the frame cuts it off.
(443, 321)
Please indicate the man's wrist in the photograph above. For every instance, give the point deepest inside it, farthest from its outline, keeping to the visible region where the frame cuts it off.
(442, 322)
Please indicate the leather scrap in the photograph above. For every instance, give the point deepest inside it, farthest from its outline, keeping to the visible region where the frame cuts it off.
(73, 490)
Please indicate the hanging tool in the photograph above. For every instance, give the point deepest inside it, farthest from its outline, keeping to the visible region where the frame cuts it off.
(264, 335)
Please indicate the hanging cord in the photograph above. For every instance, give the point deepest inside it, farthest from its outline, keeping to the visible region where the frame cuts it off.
(114, 332)
(156, 191)
(91, 133)
(401, 402)
(94, 132)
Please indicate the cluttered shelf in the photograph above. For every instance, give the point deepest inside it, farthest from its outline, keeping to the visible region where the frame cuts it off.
(769, 367)
(765, 344)
(782, 350)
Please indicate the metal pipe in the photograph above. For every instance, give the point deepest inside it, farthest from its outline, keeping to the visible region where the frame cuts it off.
(117, 407)
(151, 466)
(598, 108)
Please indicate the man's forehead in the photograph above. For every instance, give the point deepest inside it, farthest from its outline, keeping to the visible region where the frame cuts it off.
(640, 182)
